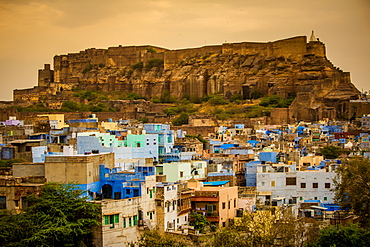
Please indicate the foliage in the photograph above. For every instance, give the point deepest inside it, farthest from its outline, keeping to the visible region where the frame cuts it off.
(254, 111)
(217, 100)
(89, 95)
(151, 50)
(143, 120)
(330, 152)
(154, 62)
(9, 163)
(166, 97)
(134, 96)
(59, 216)
(199, 221)
(71, 106)
(265, 228)
(352, 187)
(138, 66)
(342, 236)
(173, 110)
(39, 107)
(87, 68)
(156, 238)
(256, 94)
(276, 101)
(180, 120)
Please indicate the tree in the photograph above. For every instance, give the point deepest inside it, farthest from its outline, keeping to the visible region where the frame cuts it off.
(330, 152)
(180, 120)
(352, 187)
(59, 216)
(344, 236)
(199, 221)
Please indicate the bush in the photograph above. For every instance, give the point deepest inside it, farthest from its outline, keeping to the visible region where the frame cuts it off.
(138, 65)
(182, 119)
(150, 50)
(154, 62)
(217, 100)
(173, 110)
(9, 163)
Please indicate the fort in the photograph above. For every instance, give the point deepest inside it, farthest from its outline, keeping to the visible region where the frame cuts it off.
(284, 67)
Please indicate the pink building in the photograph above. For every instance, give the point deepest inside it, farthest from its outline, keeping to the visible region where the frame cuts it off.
(218, 204)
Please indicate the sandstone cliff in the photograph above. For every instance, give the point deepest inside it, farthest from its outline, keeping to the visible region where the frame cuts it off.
(284, 67)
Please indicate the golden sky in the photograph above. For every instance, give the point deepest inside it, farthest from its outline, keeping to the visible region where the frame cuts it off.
(33, 32)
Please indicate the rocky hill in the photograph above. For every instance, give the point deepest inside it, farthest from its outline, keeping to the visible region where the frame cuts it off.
(247, 70)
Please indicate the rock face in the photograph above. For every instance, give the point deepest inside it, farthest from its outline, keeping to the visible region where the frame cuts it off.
(284, 67)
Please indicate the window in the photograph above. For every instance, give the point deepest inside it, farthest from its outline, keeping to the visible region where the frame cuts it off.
(327, 185)
(116, 218)
(291, 181)
(181, 174)
(234, 203)
(209, 209)
(124, 223)
(325, 198)
(301, 198)
(315, 185)
(272, 183)
(229, 204)
(136, 193)
(2, 202)
(223, 205)
(111, 219)
(303, 185)
(135, 220)
(129, 222)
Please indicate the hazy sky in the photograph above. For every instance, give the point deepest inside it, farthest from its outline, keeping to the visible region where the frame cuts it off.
(32, 32)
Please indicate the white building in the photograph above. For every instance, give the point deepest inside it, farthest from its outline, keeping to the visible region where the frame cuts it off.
(124, 220)
(169, 216)
(286, 185)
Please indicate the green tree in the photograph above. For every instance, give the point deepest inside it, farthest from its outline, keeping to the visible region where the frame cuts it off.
(138, 66)
(342, 236)
(154, 62)
(199, 221)
(59, 216)
(330, 152)
(352, 187)
(180, 120)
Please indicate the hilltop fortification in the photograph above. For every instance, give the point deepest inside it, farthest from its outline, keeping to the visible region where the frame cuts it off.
(283, 67)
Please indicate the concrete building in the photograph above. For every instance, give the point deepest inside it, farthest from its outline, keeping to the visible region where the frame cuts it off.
(217, 204)
(283, 184)
(14, 190)
(179, 171)
(170, 215)
(124, 220)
